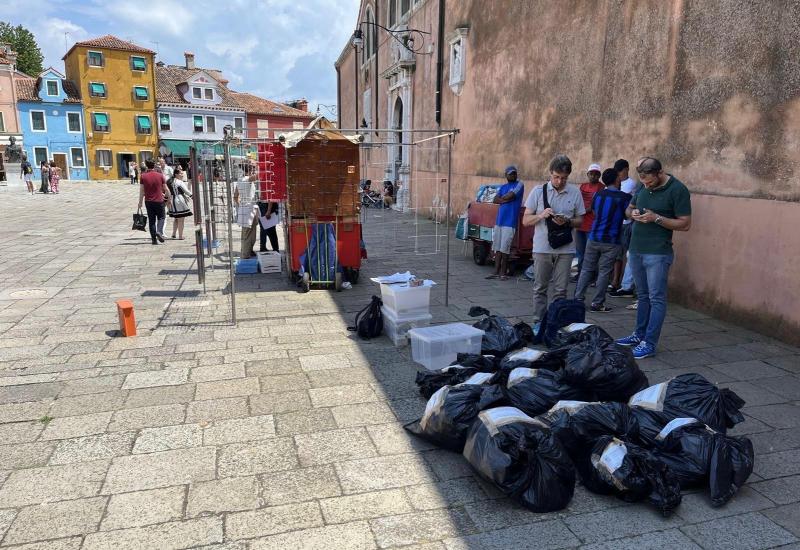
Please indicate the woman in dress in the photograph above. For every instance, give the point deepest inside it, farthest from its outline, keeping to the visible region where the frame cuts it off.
(45, 168)
(55, 177)
(179, 207)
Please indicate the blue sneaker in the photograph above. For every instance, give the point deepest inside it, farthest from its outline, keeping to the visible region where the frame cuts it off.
(631, 340)
(644, 350)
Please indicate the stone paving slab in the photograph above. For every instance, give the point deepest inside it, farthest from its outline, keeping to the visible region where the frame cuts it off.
(286, 431)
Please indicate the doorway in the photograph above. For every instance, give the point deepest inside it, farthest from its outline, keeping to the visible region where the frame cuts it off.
(60, 160)
(397, 157)
(123, 164)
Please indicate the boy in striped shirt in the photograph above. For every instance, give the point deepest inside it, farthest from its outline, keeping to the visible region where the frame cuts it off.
(604, 240)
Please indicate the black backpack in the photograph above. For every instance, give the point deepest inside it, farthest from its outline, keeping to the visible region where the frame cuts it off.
(562, 312)
(369, 321)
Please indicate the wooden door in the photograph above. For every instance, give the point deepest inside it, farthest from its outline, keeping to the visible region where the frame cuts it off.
(61, 161)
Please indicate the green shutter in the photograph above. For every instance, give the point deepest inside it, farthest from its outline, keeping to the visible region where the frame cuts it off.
(98, 88)
(144, 122)
(140, 92)
(139, 63)
(100, 119)
(164, 119)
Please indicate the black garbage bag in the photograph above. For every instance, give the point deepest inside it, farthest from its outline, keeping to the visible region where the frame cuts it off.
(430, 381)
(692, 396)
(650, 425)
(534, 359)
(482, 363)
(578, 332)
(499, 335)
(524, 332)
(699, 455)
(535, 391)
(522, 457)
(579, 424)
(632, 473)
(451, 411)
(605, 369)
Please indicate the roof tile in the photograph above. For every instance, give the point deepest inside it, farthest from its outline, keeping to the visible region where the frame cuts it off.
(111, 42)
(260, 106)
(169, 77)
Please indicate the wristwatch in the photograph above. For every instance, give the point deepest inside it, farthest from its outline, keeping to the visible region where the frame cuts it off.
(658, 220)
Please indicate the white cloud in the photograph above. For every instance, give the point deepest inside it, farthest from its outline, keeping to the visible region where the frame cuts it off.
(276, 48)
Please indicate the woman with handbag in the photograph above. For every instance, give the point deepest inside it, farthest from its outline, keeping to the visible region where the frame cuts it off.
(179, 207)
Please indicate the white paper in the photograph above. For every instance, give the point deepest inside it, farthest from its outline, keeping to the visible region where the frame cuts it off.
(267, 223)
(500, 416)
(519, 374)
(449, 367)
(613, 455)
(673, 425)
(574, 327)
(396, 278)
(650, 398)
(434, 404)
(570, 406)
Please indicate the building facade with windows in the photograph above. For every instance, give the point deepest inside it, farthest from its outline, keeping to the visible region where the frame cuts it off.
(116, 80)
(52, 123)
(9, 117)
(193, 105)
(723, 115)
(265, 118)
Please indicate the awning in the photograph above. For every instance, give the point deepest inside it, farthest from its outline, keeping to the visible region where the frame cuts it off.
(101, 119)
(144, 122)
(139, 63)
(99, 89)
(140, 92)
(178, 147)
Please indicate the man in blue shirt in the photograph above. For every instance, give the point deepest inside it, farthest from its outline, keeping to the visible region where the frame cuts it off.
(604, 239)
(509, 197)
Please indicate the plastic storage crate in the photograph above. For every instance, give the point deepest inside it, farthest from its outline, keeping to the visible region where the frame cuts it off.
(214, 244)
(269, 262)
(405, 301)
(486, 233)
(246, 267)
(396, 328)
(436, 347)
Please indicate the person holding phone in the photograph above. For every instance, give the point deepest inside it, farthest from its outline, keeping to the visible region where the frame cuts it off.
(554, 209)
(663, 205)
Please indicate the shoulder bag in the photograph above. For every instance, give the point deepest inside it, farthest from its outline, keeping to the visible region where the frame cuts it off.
(557, 235)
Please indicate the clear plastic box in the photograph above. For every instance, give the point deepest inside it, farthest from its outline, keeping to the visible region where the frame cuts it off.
(436, 347)
(396, 328)
(269, 262)
(405, 301)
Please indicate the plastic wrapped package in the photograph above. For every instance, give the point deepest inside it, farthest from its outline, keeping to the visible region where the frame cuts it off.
(650, 425)
(692, 396)
(605, 369)
(483, 363)
(699, 455)
(430, 381)
(522, 457)
(451, 411)
(579, 424)
(499, 335)
(632, 473)
(535, 391)
(578, 332)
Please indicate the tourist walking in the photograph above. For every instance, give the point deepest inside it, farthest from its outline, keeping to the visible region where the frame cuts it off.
(44, 167)
(26, 172)
(153, 192)
(132, 172)
(554, 209)
(662, 206)
(55, 177)
(179, 208)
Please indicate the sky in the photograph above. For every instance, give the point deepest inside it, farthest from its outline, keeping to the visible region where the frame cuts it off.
(278, 49)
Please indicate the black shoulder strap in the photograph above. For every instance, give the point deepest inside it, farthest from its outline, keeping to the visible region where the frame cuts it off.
(358, 317)
(544, 196)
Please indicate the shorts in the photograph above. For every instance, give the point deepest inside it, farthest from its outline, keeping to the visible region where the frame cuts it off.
(27, 177)
(501, 238)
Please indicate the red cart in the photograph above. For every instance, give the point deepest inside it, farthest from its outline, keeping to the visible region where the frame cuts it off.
(480, 222)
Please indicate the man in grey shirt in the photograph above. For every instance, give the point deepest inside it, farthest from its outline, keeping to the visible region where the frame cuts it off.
(552, 266)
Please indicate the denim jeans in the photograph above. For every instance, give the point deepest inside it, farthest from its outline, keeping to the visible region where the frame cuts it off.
(627, 276)
(650, 273)
(581, 237)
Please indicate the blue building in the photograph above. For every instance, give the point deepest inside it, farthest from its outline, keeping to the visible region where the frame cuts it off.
(51, 122)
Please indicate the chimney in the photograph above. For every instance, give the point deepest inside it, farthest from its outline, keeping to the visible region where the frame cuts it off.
(189, 59)
(301, 104)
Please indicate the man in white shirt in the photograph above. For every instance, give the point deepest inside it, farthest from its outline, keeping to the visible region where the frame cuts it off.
(244, 198)
(166, 169)
(553, 244)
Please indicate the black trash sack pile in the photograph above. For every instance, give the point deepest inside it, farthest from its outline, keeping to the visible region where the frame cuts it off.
(499, 335)
(532, 422)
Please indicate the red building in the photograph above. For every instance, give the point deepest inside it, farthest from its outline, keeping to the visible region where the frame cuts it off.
(264, 117)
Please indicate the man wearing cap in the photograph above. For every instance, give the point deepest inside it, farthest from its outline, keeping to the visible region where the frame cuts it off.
(661, 206)
(588, 191)
(509, 197)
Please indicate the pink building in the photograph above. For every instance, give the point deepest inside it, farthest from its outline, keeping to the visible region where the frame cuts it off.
(9, 118)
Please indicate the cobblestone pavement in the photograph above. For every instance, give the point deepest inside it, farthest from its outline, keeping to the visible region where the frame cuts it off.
(285, 432)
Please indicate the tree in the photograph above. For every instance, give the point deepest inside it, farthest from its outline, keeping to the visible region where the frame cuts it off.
(29, 56)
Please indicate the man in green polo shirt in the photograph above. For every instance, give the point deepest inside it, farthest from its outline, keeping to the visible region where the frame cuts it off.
(661, 206)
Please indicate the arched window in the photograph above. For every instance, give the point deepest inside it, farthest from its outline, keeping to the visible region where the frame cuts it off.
(370, 42)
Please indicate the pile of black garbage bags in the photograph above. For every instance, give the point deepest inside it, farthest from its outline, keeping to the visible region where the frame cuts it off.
(535, 422)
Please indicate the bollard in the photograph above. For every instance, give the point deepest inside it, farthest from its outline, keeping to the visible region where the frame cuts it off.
(127, 321)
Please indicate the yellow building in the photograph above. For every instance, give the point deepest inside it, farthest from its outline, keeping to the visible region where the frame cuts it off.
(116, 80)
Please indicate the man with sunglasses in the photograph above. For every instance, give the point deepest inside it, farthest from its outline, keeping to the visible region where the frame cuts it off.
(661, 206)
